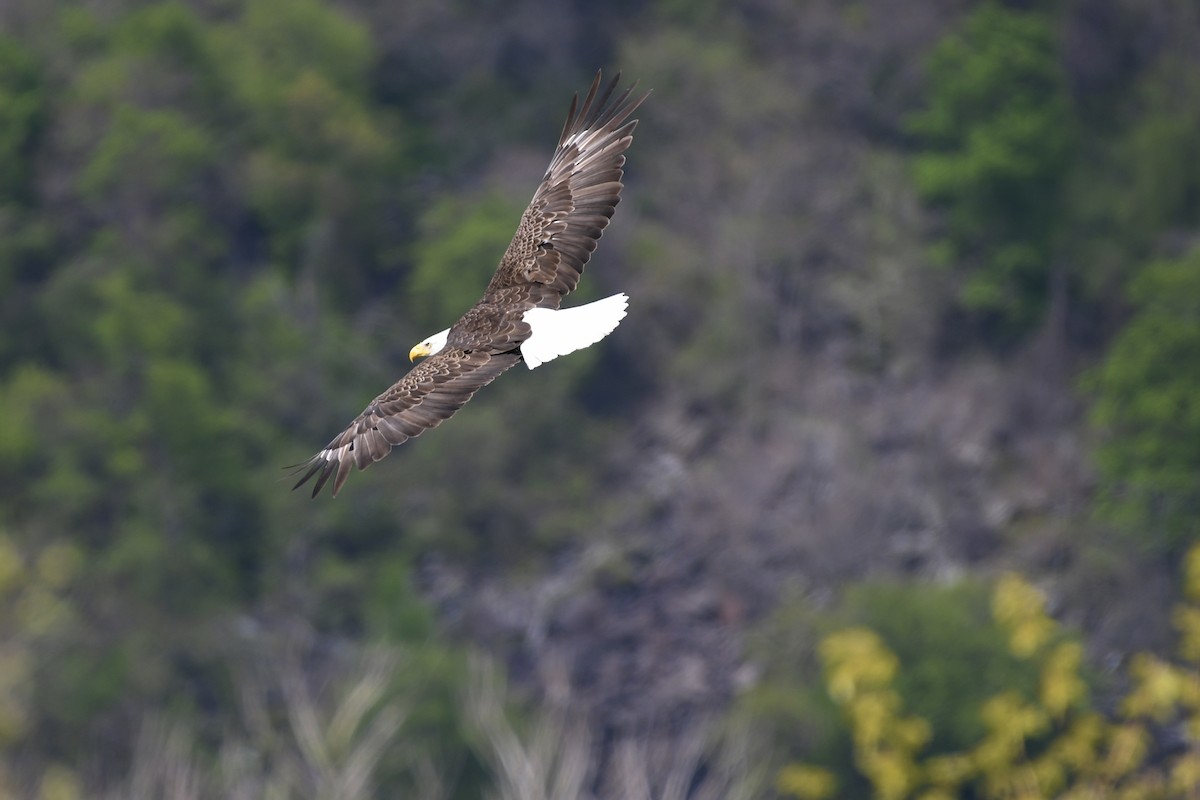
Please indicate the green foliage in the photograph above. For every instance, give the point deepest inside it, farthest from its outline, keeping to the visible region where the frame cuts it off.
(1147, 399)
(1163, 188)
(22, 101)
(459, 248)
(277, 42)
(24, 237)
(1143, 183)
(28, 390)
(149, 391)
(317, 153)
(997, 136)
(163, 149)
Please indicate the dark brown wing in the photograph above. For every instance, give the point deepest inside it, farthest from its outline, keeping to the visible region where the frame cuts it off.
(574, 203)
(424, 398)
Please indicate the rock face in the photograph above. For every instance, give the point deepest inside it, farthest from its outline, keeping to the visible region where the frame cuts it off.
(641, 628)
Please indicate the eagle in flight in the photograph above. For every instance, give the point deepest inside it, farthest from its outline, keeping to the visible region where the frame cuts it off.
(518, 318)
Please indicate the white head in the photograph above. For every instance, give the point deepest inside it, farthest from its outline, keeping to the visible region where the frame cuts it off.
(430, 346)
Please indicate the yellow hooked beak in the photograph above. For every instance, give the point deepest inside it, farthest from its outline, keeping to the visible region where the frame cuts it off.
(420, 351)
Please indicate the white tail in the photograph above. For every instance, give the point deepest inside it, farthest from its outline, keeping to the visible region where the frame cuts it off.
(556, 333)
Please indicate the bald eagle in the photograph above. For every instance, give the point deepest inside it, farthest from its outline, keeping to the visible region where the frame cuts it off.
(518, 319)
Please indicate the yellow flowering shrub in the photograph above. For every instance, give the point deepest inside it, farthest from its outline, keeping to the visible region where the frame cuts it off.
(1048, 745)
(32, 606)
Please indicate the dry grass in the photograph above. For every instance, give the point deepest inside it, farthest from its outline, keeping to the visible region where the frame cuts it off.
(557, 759)
(303, 738)
(297, 743)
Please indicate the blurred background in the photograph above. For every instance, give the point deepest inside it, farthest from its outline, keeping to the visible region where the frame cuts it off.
(885, 487)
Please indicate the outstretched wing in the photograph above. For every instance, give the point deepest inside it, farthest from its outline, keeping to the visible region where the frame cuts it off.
(426, 396)
(574, 203)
